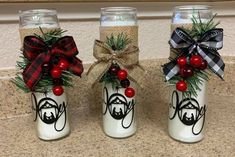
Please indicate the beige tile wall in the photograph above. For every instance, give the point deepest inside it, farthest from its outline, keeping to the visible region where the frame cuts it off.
(153, 37)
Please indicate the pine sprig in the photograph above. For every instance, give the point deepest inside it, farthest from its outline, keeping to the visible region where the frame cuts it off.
(21, 65)
(52, 36)
(108, 78)
(199, 28)
(119, 42)
(116, 43)
(193, 82)
(46, 82)
(19, 82)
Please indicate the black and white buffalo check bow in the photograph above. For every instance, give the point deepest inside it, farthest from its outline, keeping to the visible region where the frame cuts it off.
(206, 46)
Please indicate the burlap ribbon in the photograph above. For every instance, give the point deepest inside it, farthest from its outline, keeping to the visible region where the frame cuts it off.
(127, 59)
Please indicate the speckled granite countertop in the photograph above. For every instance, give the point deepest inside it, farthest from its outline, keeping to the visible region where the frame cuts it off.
(18, 137)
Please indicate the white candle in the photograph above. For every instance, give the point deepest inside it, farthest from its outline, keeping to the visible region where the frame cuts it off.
(184, 14)
(118, 23)
(51, 116)
(44, 25)
(186, 21)
(118, 110)
(187, 116)
(39, 18)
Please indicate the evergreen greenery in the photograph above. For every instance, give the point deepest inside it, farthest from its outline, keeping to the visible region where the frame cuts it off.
(108, 78)
(119, 42)
(199, 28)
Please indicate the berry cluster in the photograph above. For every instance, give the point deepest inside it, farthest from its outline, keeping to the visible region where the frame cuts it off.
(121, 74)
(55, 71)
(187, 69)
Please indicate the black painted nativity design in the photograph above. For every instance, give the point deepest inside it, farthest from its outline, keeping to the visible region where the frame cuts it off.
(49, 112)
(119, 107)
(189, 112)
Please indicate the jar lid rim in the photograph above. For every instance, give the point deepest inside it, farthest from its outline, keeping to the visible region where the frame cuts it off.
(192, 7)
(120, 9)
(34, 11)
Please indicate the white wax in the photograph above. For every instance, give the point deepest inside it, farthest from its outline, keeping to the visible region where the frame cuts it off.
(43, 25)
(186, 21)
(118, 23)
(182, 132)
(114, 127)
(47, 131)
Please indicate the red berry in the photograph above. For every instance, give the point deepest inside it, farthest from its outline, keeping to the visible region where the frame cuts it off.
(129, 92)
(203, 65)
(182, 61)
(122, 74)
(195, 61)
(63, 64)
(58, 90)
(56, 72)
(181, 86)
(186, 71)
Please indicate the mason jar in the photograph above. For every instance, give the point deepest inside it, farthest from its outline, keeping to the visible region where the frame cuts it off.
(51, 115)
(119, 111)
(187, 114)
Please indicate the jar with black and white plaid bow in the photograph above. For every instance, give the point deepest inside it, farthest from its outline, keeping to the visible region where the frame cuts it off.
(187, 112)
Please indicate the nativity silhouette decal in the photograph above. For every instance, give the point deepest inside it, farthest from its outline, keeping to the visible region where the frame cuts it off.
(50, 112)
(118, 106)
(189, 112)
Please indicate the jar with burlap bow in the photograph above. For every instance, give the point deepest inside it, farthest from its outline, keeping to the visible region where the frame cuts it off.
(117, 68)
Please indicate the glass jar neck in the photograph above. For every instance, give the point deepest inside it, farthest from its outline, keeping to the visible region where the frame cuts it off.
(118, 16)
(38, 18)
(184, 14)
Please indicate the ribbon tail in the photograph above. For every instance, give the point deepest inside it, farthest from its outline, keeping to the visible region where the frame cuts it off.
(215, 63)
(76, 66)
(32, 73)
(170, 70)
(96, 71)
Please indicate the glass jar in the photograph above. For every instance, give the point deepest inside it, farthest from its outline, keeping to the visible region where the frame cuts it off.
(118, 16)
(187, 115)
(31, 20)
(119, 111)
(51, 116)
(184, 14)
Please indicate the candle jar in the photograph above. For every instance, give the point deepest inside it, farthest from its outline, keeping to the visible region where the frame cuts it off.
(50, 110)
(119, 111)
(187, 114)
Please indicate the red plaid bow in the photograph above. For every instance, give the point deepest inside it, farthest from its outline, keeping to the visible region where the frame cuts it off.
(38, 53)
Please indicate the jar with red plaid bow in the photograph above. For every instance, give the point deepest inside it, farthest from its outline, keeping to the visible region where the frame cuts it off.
(48, 64)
